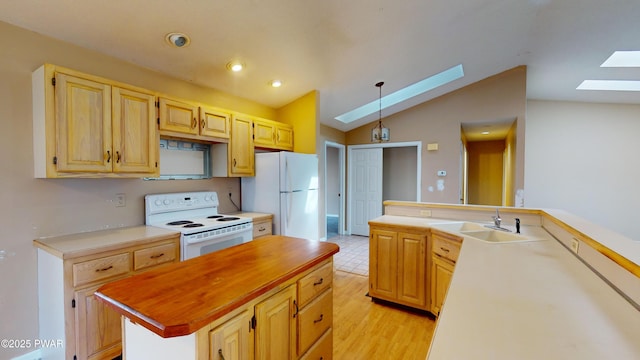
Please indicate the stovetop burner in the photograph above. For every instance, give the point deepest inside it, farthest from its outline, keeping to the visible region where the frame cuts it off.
(214, 216)
(231, 218)
(193, 225)
(180, 222)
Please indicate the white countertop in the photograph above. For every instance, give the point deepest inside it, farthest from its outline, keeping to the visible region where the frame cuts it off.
(532, 300)
(528, 300)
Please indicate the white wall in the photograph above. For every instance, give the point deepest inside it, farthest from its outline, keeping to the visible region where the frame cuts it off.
(584, 158)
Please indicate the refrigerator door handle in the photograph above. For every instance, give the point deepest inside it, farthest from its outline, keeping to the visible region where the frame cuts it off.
(288, 210)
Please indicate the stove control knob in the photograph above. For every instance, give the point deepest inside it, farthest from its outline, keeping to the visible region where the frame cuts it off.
(158, 202)
(167, 201)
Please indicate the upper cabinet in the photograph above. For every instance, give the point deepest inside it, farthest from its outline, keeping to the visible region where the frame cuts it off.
(272, 134)
(86, 126)
(241, 154)
(178, 118)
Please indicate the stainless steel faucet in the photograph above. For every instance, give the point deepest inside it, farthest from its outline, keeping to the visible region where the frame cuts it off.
(496, 219)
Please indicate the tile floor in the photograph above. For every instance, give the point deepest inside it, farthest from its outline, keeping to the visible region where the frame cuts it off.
(354, 254)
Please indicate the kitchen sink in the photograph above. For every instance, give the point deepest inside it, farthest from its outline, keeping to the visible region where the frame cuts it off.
(460, 226)
(493, 235)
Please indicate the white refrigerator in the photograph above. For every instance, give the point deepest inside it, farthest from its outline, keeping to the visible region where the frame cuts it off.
(285, 185)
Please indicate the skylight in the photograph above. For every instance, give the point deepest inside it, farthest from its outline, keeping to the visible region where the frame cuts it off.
(623, 59)
(403, 94)
(611, 85)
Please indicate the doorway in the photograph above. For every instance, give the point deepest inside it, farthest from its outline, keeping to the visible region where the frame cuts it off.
(379, 172)
(334, 179)
(488, 161)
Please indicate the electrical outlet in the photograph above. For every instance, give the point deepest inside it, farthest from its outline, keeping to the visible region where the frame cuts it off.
(575, 244)
(425, 213)
(121, 200)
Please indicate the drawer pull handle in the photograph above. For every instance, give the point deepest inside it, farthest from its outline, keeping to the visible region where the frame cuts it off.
(157, 256)
(262, 229)
(220, 354)
(444, 249)
(320, 319)
(105, 269)
(296, 305)
(319, 282)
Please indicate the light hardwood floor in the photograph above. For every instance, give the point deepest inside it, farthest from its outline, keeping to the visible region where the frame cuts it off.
(367, 330)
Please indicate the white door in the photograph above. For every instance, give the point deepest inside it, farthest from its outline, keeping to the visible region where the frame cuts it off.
(365, 189)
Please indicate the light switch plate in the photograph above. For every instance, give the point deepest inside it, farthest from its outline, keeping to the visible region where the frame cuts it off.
(575, 245)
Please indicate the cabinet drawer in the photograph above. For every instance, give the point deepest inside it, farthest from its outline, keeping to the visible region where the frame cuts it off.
(322, 349)
(99, 269)
(314, 283)
(153, 256)
(314, 320)
(446, 248)
(261, 229)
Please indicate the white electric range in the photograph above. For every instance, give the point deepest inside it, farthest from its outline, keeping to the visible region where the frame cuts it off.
(195, 215)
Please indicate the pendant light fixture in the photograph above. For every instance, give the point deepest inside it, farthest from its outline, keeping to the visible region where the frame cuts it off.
(379, 133)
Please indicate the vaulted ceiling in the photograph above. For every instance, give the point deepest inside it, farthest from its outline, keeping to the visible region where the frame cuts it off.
(342, 48)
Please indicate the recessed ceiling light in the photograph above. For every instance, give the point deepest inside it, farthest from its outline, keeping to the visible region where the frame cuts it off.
(177, 39)
(623, 59)
(276, 83)
(610, 85)
(235, 66)
(401, 95)
(485, 133)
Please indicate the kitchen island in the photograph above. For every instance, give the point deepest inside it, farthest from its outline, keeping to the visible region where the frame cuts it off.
(189, 309)
(569, 290)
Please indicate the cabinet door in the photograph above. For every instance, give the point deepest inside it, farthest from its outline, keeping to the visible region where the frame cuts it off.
(135, 134)
(83, 123)
(98, 328)
(383, 264)
(214, 123)
(241, 145)
(178, 116)
(441, 273)
(230, 341)
(264, 133)
(412, 261)
(284, 137)
(276, 326)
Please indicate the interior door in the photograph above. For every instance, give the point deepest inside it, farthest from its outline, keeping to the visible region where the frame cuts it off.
(365, 188)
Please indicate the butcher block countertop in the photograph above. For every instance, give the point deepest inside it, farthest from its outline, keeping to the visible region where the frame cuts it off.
(182, 298)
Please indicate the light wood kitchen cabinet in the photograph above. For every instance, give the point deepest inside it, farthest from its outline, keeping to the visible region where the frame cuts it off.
(231, 340)
(272, 134)
(241, 153)
(398, 266)
(262, 228)
(199, 122)
(71, 268)
(86, 126)
(276, 326)
(315, 317)
(446, 248)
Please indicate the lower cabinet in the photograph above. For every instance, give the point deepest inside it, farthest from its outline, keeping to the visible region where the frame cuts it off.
(276, 326)
(67, 282)
(293, 323)
(398, 266)
(445, 250)
(441, 273)
(231, 340)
